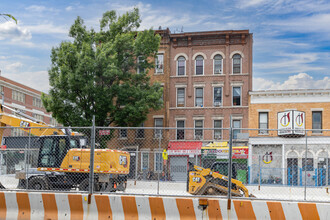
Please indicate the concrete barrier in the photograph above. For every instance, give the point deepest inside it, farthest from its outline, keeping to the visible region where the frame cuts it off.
(36, 205)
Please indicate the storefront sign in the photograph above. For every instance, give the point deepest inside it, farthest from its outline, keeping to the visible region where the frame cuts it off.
(291, 122)
(104, 132)
(267, 157)
(222, 153)
(184, 152)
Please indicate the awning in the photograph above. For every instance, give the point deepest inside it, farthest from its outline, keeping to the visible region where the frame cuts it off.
(184, 148)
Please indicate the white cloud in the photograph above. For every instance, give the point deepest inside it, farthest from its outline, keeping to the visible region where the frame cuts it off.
(11, 31)
(298, 81)
(36, 8)
(13, 67)
(48, 28)
(35, 79)
(69, 8)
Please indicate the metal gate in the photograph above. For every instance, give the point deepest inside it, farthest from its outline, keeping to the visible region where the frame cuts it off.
(178, 168)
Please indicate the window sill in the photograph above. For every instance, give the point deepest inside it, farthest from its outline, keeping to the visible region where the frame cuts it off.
(183, 76)
(265, 134)
(239, 74)
(317, 134)
(122, 138)
(155, 74)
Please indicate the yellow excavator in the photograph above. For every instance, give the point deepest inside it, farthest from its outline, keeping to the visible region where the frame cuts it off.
(211, 181)
(64, 160)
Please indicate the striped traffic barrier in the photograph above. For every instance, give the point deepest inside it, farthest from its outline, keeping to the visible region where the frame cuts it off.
(40, 205)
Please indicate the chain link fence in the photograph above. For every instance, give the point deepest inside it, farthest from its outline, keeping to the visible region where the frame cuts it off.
(166, 161)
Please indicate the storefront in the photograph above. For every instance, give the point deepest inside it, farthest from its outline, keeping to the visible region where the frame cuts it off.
(180, 153)
(218, 151)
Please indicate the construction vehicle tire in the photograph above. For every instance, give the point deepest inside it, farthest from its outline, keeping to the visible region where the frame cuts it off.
(84, 185)
(38, 183)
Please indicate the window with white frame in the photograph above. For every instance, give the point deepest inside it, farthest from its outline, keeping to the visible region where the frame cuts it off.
(17, 132)
(158, 162)
(158, 133)
(217, 96)
(38, 117)
(140, 131)
(237, 63)
(263, 122)
(145, 161)
(199, 97)
(181, 64)
(317, 122)
(140, 68)
(217, 62)
(236, 125)
(123, 133)
(53, 122)
(18, 96)
(217, 124)
(180, 97)
(199, 65)
(237, 97)
(198, 129)
(180, 129)
(37, 102)
(159, 62)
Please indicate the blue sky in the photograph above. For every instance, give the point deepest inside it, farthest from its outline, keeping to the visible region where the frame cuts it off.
(291, 38)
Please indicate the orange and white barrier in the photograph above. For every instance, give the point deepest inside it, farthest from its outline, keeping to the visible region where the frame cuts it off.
(23, 205)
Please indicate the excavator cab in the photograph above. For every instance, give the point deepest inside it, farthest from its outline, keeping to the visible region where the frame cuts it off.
(53, 149)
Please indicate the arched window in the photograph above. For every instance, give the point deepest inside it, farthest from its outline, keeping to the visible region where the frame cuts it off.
(199, 62)
(181, 63)
(237, 63)
(217, 64)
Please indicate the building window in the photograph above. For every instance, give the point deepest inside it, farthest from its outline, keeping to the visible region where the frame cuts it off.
(140, 132)
(237, 59)
(181, 66)
(199, 62)
(217, 64)
(263, 122)
(236, 96)
(53, 122)
(217, 129)
(199, 97)
(18, 96)
(180, 132)
(158, 124)
(145, 161)
(317, 122)
(122, 133)
(309, 166)
(38, 117)
(217, 96)
(198, 129)
(236, 126)
(18, 132)
(158, 162)
(140, 68)
(159, 63)
(180, 97)
(37, 102)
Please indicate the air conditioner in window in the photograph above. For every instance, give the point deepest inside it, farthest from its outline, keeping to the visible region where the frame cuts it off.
(198, 137)
(217, 103)
(217, 71)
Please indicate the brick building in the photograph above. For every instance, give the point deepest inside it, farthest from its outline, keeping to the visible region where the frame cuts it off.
(286, 153)
(24, 99)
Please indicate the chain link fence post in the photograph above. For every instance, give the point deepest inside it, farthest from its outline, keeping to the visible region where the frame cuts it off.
(91, 163)
(27, 161)
(259, 179)
(305, 165)
(230, 164)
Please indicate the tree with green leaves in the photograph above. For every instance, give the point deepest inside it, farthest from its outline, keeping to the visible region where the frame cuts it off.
(8, 16)
(96, 74)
